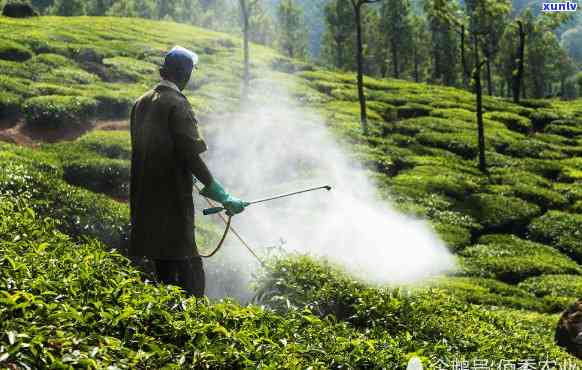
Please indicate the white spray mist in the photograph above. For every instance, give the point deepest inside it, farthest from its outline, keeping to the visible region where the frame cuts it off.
(277, 148)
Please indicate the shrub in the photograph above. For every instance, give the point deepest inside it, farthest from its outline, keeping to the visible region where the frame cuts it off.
(69, 75)
(387, 111)
(500, 213)
(52, 60)
(412, 110)
(461, 143)
(511, 120)
(512, 176)
(455, 113)
(113, 104)
(384, 97)
(540, 118)
(455, 236)
(564, 130)
(511, 259)
(562, 229)
(545, 198)
(554, 285)
(80, 212)
(489, 292)
(130, 69)
(437, 180)
(54, 89)
(9, 104)
(18, 10)
(531, 148)
(463, 330)
(111, 144)
(534, 103)
(55, 110)
(108, 176)
(572, 192)
(527, 186)
(17, 86)
(10, 50)
(549, 169)
(108, 316)
(571, 170)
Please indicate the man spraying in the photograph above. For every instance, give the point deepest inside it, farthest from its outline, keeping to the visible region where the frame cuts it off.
(166, 147)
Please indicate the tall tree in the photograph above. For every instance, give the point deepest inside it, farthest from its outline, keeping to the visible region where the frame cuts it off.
(262, 26)
(98, 7)
(67, 8)
(252, 15)
(571, 40)
(396, 25)
(340, 29)
(41, 5)
(357, 5)
(443, 39)
(482, 16)
(420, 47)
(522, 27)
(245, 11)
(292, 31)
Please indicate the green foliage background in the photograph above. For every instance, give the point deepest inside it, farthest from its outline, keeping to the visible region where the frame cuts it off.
(69, 299)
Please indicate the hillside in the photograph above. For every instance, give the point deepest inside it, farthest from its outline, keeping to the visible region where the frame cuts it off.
(69, 301)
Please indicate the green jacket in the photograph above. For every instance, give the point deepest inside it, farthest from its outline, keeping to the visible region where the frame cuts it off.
(164, 140)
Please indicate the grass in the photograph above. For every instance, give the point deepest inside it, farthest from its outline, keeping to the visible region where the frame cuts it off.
(515, 230)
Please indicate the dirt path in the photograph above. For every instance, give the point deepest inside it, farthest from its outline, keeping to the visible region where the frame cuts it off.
(16, 131)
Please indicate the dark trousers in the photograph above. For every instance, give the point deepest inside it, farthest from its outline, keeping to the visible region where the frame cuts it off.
(186, 273)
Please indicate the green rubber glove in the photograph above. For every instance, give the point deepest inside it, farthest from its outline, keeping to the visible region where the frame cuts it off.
(216, 192)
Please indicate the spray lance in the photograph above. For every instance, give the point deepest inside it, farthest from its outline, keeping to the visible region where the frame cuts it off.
(213, 210)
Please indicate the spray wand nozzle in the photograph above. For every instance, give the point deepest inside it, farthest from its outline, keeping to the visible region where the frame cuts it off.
(211, 211)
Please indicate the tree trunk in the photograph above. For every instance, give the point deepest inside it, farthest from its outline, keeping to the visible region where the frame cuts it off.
(517, 81)
(416, 77)
(247, 73)
(463, 59)
(489, 79)
(479, 103)
(360, 57)
(395, 61)
(339, 53)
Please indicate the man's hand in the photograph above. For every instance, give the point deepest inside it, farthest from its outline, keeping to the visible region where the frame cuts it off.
(216, 192)
(234, 206)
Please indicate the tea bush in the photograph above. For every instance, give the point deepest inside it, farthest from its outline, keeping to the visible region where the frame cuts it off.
(9, 104)
(89, 308)
(511, 120)
(111, 144)
(562, 229)
(511, 259)
(559, 285)
(54, 110)
(540, 118)
(109, 176)
(440, 326)
(10, 50)
(564, 130)
(432, 179)
(426, 165)
(490, 292)
(500, 213)
(80, 213)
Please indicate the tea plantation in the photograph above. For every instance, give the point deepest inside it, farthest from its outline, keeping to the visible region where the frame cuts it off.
(70, 299)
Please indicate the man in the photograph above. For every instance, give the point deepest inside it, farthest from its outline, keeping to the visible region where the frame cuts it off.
(166, 147)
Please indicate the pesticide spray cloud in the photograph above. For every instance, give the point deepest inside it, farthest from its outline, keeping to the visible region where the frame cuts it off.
(276, 148)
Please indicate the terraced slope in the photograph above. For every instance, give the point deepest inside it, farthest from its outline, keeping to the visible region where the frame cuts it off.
(68, 301)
